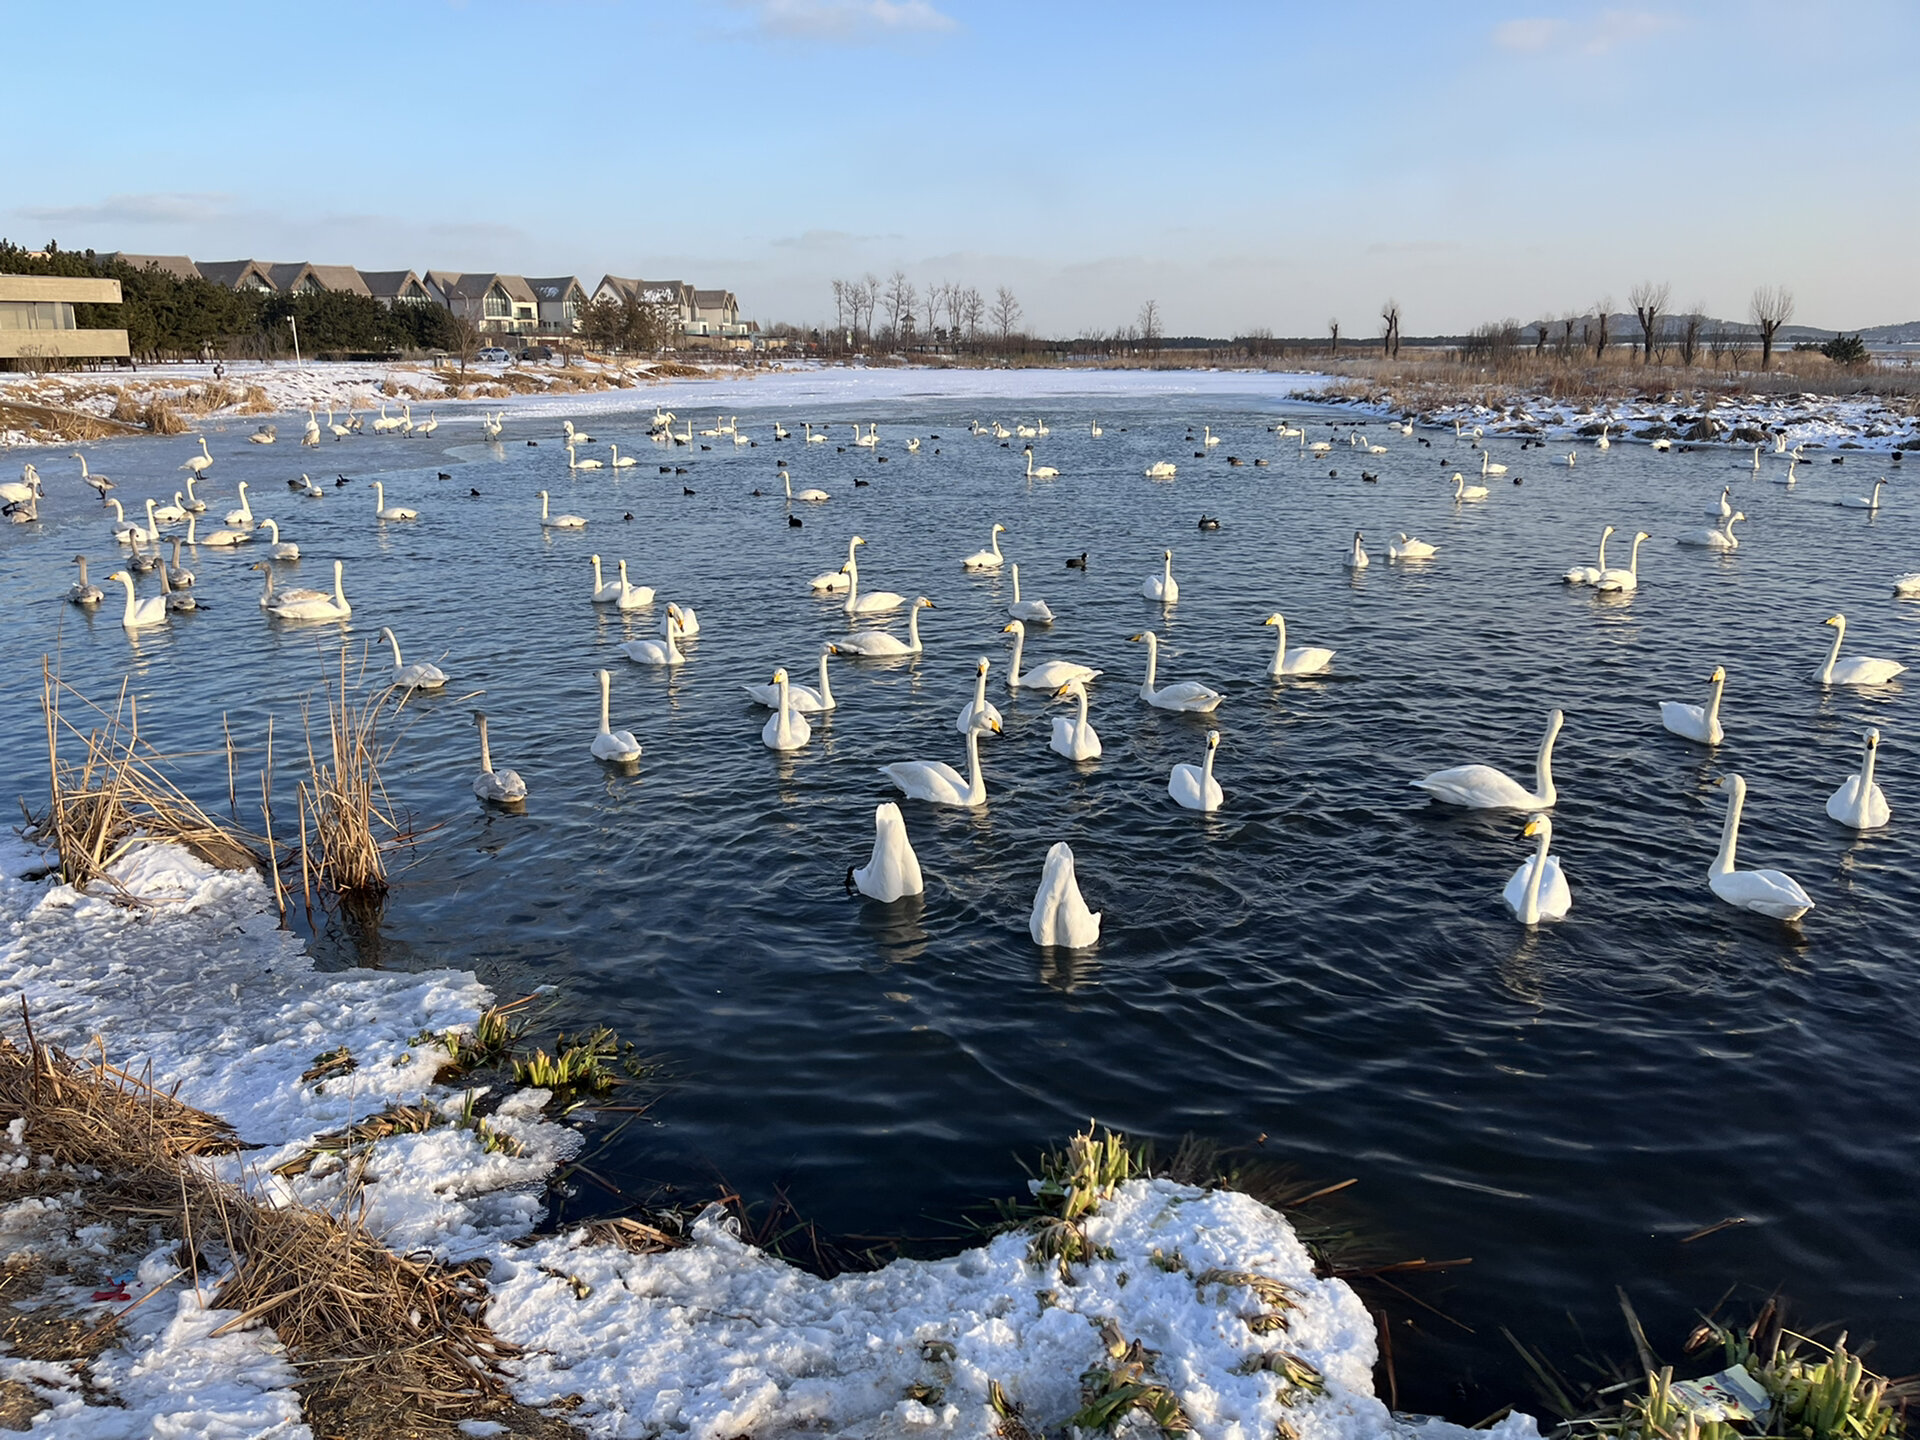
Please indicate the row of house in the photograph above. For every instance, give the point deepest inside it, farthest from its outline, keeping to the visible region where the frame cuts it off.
(498, 305)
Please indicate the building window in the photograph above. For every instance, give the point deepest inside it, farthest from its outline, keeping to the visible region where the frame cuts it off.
(36, 315)
(497, 306)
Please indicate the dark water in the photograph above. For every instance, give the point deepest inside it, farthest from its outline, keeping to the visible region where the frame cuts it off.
(1324, 962)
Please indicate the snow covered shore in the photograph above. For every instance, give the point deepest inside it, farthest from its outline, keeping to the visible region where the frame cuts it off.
(714, 1339)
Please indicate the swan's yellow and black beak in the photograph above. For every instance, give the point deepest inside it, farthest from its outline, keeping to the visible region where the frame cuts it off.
(1831, 620)
(1532, 827)
(1007, 629)
(1719, 674)
(1136, 637)
(994, 725)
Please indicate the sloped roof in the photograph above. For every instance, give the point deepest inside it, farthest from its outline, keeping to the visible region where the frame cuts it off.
(178, 266)
(473, 287)
(390, 284)
(234, 273)
(342, 278)
(557, 287)
(714, 299)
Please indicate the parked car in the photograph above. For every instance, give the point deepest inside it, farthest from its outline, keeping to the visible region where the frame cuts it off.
(537, 352)
(493, 355)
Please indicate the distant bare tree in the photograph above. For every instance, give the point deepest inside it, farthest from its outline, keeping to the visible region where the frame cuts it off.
(898, 300)
(1565, 343)
(1687, 333)
(1649, 303)
(463, 340)
(1771, 307)
(1006, 313)
(1602, 314)
(1333, 327)
(936, 301)
(1542, 332)
(868, 294)
(1390, 329)
(1149, 323)
(970, 308)
(840, 305)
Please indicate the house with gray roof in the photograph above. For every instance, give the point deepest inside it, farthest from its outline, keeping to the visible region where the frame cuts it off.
(561, 299)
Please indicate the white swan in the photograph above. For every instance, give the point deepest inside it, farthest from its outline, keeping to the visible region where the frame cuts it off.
(1698, 722)
(780, 432)
(1301, 660)
(1723, 507)
(1035, 612)
(270, 597)
(573, 464)
(1616, 581)
(1405, 547)
(939, 783)
(631, 596)
(813, 439)
(124, 530)
(1865, 502)
(803, 698)
(1603, 442)
(142, 614)
(893, 872)
(990, 559)
(1907, 586)
(244, 515)
(1161, 470)
(1189, 695)
(657, 652)
(340, 432)
(559, 522)
(604, 593)
(312, 605)
(502, 786)
(1487, 467)
(979, 705)
(425, 676)
(620, 462)
(1162, 587)
(311, 436)
(1044, 472)
(1464, 491)
(685, 617)
(1863, 670)
(878, 645)
(786, 728)
(837, 579)
(878, 602)
(168, 514)
(1076, 739)
(83, 591)
(193, 504)
(1060, 916)
(278, 549)
(384, 511)
(223, 538)
(1481, 787)
(1048, 674)
(1717, 537)
(1193, 785)
(386, 422)
(1765, 892)
(1538, 889)
(1790, 477)
(201, 463)
(1356, 556)
(813, 497)
(1861, 803)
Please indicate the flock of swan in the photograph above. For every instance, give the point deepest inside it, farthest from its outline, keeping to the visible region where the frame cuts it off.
(1537, 892)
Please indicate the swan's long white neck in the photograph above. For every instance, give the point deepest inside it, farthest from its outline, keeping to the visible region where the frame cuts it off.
(119, 511)
(543, 505)
(127, 580)
(394, 640)
(486, 758)
(1279, 643)
(1633, 560)
(995, 540)
(1016, 573)
(1206, 772)
(273, 529)
(1013, 671)
(826, 691)
(596, 573)
(1153, 656)
(1603, 549)
(913, 627)
(976, 782)
(1713, 705)
(1543, 764)
(1866, 769)
(787, 481)
(980, 689)
(1730, 828)
(1727, 528)
(1083, 710)
(786, 705)
(1833, 655)
(853, 585)
(339, 594)
(1530, 904)
(1166, 571)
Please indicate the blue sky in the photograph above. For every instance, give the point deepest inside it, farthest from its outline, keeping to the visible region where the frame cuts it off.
(1243, 164)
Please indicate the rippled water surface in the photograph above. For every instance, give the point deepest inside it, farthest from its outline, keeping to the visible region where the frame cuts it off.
(1325, 962)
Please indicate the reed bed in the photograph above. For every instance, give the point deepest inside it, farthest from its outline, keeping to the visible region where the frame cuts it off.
(102, 805)
(347, 821)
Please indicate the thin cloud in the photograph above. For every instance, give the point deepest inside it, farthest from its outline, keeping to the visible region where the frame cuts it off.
(1599, 34)
(162, 208)
(1528, 35)
(847, 19)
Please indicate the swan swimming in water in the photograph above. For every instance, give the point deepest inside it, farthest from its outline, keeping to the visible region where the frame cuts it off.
(559, 522)
(1464, 491)
(278, 549)
(1301, 660)
(1060, 915)
(82, 591)
(1161, 470)
(311, 605)
(1481, 787)
(412, 677)
(1861, 803)
(603, 593)
(979, 705)
(140, 614)
(837, 579)
(1862, 670)
(1865, 502)
(1187, 695)
(893, 872)
(502, 786)
(1356, 558)
(990, 559)
(1538, 889)
(1765, 892)
(1193, 785)
(1162, 587)
(1723, 507)
(812, 497)
(657, 652)
(1718, 537)
(1624, 582)
(877, 602)
(786, 728)
(384, 511)
(803, 698)
(1698, 722)
(244, 515)
(1048, 674)
(1033, 611)
(631, 596)
(685, 617)
(1405, 547)
(878, 645)
(939, 783)
(1076, 738)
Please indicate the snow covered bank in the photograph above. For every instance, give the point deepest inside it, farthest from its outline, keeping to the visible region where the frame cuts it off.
(1206, 1295)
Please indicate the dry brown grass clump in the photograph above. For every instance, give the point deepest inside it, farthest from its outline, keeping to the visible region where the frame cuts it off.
(346, 820)
(54, 424)
(162, 418)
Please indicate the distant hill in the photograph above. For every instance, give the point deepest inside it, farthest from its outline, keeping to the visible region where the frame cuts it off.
(1907, 334)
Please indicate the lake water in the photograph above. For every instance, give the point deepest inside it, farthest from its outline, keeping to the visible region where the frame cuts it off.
(1325, 962)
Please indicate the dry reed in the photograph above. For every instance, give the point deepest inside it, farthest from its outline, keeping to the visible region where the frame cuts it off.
(343, 804)
(162, 418)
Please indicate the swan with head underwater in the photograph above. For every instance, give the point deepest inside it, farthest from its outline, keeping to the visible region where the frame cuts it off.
(423, 676)
(939, 783)
(1076, 738)
(878, 645)
(990, 559)
(979, 705)
(1616, 581)
(1860, 670)
(1698, 722)
(498, 787)
(1538, 890)
(1301, 660)
(1765, 892)
(1482, 787)
(803, 698)
(1193, 785)
(1048, 674)
(1060, 915)
(1162, 587)
(786, 728)
(1187, 695)
(893, 871)
(837, 579)
(1860, 803)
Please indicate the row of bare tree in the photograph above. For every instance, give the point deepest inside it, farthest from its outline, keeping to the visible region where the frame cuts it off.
(896, 312)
